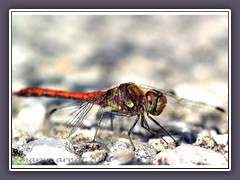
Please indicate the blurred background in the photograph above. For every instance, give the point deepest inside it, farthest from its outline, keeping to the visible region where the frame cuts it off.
(187, 53)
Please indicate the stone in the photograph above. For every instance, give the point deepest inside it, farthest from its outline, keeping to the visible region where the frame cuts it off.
(190, 156)
(94, 157)
(60, 151)
(121, 157)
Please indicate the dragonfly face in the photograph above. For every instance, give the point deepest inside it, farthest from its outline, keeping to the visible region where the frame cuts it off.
(155, 102)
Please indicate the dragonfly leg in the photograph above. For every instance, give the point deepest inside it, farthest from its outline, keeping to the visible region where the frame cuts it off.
(130, 131)
(145, 125)
(115, 113)
(111, 116)
(162, 128)
(99, 123)
(104, 115)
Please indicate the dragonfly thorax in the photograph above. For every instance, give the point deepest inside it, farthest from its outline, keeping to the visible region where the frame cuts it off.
(155, 102)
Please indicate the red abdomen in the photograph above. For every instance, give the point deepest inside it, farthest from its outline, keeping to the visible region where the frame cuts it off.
(38, 92)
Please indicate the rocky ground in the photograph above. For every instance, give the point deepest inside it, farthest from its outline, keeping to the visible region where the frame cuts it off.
(187, 54)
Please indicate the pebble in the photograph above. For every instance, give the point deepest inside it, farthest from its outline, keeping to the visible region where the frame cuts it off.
(121, 157)
(94, 157)
(58, 155)
(204, 139)
(158, 144)
(205, 142)
(29, 119)
(20, 139)
(58, 150)
(189, 155)
(143, 152)
(121, 144)
(220, 138)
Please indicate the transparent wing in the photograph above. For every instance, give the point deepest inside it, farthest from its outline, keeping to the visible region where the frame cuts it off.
(185, 102)
(72, 115)
(180, 109)
(191, 104)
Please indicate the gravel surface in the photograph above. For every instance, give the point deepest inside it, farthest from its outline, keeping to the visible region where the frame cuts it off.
(187, 54)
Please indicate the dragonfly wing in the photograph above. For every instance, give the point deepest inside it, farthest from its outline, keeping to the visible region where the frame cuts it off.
(186, 103)
(71, 115)
(192, 104)
(180, 110)
(184, 113)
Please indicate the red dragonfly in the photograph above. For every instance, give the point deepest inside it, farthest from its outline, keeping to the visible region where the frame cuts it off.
(127, 99)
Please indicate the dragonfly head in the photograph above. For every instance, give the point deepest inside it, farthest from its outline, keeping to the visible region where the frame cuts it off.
(155, 102)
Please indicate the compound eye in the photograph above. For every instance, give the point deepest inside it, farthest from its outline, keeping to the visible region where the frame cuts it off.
(155, 102)
(151, 102)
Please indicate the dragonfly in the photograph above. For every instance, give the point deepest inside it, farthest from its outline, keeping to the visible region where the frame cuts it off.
(126, 99)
